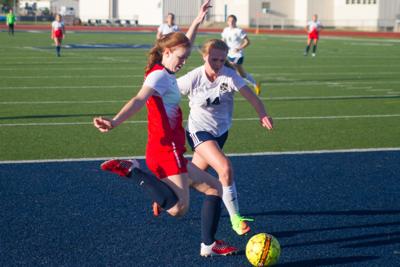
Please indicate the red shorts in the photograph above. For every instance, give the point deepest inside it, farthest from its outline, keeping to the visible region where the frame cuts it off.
(313, 35)
(166, 163)
(165, 145)
(58, 33)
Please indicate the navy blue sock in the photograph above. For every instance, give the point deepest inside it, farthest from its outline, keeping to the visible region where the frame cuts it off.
(159, 191)
(58, 49)
(210, 214)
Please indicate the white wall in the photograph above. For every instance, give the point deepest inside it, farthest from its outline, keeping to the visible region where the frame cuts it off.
(281, 11)
(300, 12)
(355, 15)
(147, 12)
(185, 11)
(388, 10)
(93, 9)
(239, 8)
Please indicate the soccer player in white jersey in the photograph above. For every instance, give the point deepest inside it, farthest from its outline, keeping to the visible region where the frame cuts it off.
(167, 27)
(211, 88)
(58, 33)
(313, 28)
(236, 39)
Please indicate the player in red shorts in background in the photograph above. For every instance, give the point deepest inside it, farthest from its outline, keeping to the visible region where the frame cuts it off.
(166, 140)
(313, 28)
(58, 33)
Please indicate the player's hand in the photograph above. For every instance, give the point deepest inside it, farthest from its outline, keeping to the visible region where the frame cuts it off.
(267, 122)
(203, 11)
(103, 124)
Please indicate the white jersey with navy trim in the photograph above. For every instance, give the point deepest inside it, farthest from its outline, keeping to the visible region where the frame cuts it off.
(234, 37)
(211, 103)
(165, 28)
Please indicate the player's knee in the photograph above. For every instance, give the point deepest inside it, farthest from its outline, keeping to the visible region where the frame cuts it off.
(179, 209)
(225, 173)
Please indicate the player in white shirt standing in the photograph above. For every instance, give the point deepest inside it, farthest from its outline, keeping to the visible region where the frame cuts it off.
(167, 27)
(236, 39)
(58, 33)
(211, 90)
(313, 28)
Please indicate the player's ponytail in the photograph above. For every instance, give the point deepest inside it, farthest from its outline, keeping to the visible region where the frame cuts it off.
(170, 40)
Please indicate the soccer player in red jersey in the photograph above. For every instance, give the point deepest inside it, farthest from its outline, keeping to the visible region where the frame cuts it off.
(58, 33)
(166, 140)
(313, 28)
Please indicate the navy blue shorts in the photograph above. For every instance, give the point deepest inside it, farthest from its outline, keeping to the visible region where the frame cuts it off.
(197, 138)
(236, 60)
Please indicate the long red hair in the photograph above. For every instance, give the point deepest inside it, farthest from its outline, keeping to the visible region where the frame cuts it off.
(170, 40)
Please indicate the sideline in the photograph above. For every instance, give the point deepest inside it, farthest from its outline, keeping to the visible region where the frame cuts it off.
(355, 150)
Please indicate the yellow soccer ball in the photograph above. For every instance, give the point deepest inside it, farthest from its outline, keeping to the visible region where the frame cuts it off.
(263, 250)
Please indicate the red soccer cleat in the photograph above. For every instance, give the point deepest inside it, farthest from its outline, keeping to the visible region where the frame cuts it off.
(119, 166)
(218, 248)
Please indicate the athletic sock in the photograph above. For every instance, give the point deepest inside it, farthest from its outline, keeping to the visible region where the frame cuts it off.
(210, 214)
(314, 49)
(159, 191)
(58, 49)
(307, 49)
(229, 196)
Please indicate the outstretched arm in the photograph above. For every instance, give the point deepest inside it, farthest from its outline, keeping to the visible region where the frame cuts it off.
(191, 33)
(132, 107)
(265, 120)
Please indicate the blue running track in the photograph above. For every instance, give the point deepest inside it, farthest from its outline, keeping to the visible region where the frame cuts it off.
(330, 209)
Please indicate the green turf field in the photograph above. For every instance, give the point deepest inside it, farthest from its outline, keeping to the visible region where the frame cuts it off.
(347, 97)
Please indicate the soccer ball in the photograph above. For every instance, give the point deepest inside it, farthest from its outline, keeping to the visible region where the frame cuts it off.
(263, 250)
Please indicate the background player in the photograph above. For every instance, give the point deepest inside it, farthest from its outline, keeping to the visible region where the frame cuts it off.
(211, 90)
(167, 27)
(10, 21)
(313, 28)
(58, 33)
(237, 40)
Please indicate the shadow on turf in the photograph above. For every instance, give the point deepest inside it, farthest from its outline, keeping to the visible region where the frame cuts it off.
(387, 238)
(328, 261)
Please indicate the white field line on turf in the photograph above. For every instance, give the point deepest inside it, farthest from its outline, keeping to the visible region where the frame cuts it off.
(355, 150)
(72, 76)
(235, 119)
(274, 83)
(238, 99)
(132, 68)
(65, 87)
(361, 74)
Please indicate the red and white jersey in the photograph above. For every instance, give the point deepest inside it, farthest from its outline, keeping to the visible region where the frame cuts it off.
(166, 136)
(314, 26)
(211, 103)
(57, 25)
(165, 85)
(164, 114)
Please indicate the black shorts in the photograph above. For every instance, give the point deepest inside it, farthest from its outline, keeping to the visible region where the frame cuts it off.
(197, 138)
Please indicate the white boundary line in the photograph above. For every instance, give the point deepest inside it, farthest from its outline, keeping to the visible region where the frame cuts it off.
(355, 150)
(234, 119)
(237, 99)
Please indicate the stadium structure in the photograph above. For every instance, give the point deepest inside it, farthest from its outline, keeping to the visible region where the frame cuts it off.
(357, 14)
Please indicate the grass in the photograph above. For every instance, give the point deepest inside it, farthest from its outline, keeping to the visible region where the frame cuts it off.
(347, 97)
